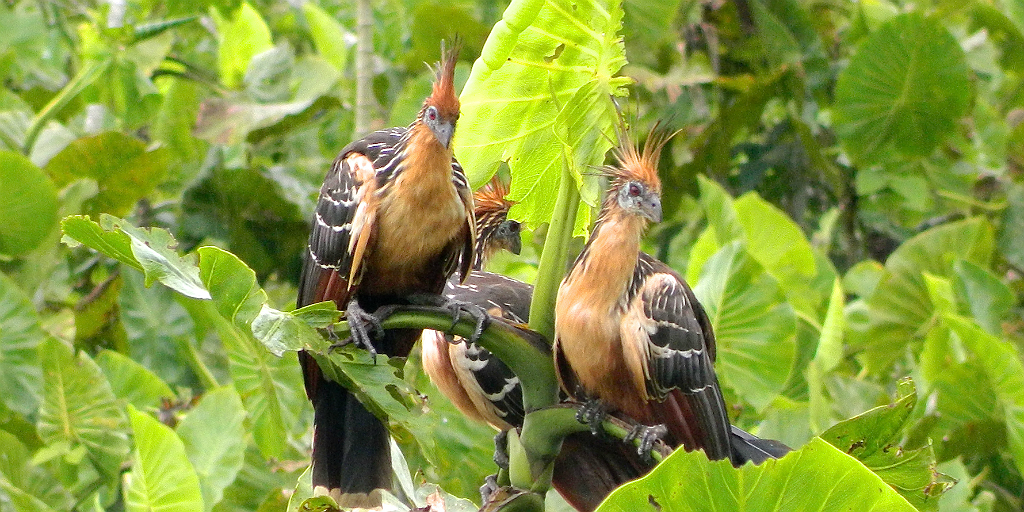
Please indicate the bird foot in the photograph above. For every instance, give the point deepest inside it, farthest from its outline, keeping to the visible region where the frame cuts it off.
(501, 449)
(365, 327)
(648, 435)
(457, 309)
(489, 487)
(593, 412)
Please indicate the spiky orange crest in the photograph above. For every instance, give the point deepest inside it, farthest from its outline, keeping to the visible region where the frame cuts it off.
(490, 199)
(443, 97)
(635, 165)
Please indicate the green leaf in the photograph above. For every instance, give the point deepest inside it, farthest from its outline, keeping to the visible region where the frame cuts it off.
(528, 86)
(150, 250)
(827, 357)
(123, 166)
(79, 409)
(214, 438)
(28, 212)
(873, 438)
(241, 38)
(905, 88)
(161, 477)
(21, 381)
(328, 35)
(132, 382)
(29, 487)
(900, 304)
(817, 477)
(159, 330)
(754, 327)
(988, 299)
(1001, 362)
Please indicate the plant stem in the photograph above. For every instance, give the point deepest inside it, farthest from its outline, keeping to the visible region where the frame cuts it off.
(364, 66)
(554, 256)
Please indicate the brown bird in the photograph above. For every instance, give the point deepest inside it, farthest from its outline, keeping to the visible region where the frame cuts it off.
(588, 467)
(478, 384)
(628, 330)
(394, 220)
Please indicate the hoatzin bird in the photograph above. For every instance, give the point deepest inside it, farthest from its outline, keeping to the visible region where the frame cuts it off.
(588, 467)
(394, 220)
(628, 330)
(478, 384)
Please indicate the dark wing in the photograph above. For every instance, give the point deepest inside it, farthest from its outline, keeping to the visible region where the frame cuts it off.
(343, 219)
(480, 371)
(464, 257)
(671, 346)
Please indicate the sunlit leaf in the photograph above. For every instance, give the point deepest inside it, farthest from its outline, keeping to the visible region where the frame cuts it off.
(535, 62)
(328, 35)
(28, 486)
(241, 38)
(161, 477)
(817, 477)
(28, 212)
(905, 88)
(873, 438)
(150, 250)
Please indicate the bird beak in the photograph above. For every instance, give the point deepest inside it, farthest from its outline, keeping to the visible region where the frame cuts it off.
(651, 208)
(515, 245)
(444, 131)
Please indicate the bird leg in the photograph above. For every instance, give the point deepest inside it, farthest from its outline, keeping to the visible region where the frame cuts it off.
(593, 412)
(501, 449)
(648, 435)
(457, 309)
(364, 328)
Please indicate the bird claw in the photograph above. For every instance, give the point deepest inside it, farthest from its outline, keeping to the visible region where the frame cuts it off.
(489, 487)
(364, 328)
(648, 435)
(457, 309)
(592, 413)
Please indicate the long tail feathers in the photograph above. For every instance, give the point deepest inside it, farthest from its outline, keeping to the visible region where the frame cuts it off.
(748, 447)
(589, 467)
(351, 456)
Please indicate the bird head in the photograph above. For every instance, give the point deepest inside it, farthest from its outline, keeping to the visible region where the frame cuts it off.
(635, 187)
(494, 229)
(440, 111)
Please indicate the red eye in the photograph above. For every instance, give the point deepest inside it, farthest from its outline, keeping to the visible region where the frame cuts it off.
(634, 189)
(432, 114)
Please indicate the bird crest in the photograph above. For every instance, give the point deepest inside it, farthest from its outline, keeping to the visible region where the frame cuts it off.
(443, 96)
(637, 165)
(490, 198)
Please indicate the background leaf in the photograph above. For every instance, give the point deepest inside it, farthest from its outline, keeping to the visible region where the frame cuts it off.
(906, 86)
(214, 439)
(161, 477)
(29, 210)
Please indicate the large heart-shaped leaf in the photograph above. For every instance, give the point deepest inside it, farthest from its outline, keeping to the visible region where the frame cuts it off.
(905, 88)
(754, 326)
(214, 438)
(79, 411)
(817, 477)
(523, 103)
(21, 381)
(161, 477)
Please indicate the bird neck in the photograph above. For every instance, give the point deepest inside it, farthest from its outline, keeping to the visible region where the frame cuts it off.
(610, 257)
(428, 164)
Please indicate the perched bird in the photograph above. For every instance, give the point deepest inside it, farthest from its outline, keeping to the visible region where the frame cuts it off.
(477, 383)
(394, 220)
(628, 330)
(481, 386)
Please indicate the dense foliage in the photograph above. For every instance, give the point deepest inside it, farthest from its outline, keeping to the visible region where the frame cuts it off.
(844, 195)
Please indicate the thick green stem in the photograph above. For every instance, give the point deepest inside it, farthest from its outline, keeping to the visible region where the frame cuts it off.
(83, 79)
(534, 367)
(554, 257)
